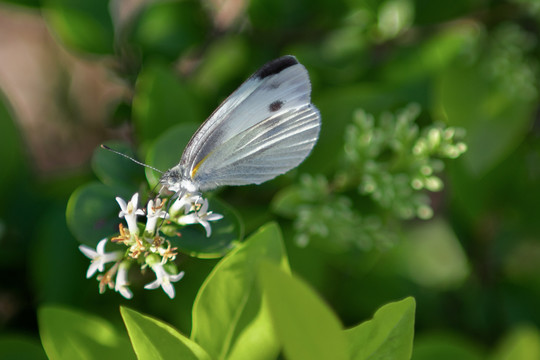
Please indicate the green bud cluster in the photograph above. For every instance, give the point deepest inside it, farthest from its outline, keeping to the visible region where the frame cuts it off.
(388, 169)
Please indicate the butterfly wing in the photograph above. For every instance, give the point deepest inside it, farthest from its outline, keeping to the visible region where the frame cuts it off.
(265, 128)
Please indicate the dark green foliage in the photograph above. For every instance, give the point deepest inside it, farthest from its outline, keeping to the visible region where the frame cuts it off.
(388, 206)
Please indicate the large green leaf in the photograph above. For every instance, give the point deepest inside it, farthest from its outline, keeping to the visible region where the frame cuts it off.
(230, 319)
(115, 170)
(71, 334)
(154, 339)
(226, 234)
(92, 212)
(82, 25)
(521, 343)
(389, 335)
(162, 100)
(305, 325)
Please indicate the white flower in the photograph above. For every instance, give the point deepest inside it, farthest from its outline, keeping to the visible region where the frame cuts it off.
(130, 212)
(164, 279)
(201, 217)
(99, 257)
(184, 204)
(154, 212)
(121, 283)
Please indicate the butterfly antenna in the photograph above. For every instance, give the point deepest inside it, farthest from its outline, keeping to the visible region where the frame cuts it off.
(130, 158)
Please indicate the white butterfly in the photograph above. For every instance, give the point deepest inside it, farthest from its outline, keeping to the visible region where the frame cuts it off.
(265, 128)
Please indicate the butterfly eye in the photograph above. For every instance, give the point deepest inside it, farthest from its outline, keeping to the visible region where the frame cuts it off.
(170, 177)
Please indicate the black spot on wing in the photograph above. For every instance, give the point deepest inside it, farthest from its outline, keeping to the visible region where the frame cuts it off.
(276, 66)
(275, 106)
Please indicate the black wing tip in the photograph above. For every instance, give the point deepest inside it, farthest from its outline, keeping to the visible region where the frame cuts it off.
(276, 66)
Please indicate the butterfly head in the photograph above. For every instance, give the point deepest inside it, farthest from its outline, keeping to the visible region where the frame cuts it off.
(175, 180)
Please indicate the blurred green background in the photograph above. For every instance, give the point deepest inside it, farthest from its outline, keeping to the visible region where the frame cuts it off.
(76, 73)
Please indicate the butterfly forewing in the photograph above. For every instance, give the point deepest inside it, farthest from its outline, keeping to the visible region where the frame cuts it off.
(263, 129)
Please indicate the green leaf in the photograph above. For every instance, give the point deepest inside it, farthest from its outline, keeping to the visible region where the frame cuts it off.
(161, 100)
(493, 97)
(433, 256)
(55, 263)
(445, 347)
(225, 61)
(168, 29)
(389, 335)
(521, 343)
(226, 234)
(18, 347)
(154, 339)
(92, 212)
(305, 325)
(115, 170)
(288, 201)
(468, 101)
(431, 56)
(82, 25)
(71, 334)
(229, 318)
(166, 151)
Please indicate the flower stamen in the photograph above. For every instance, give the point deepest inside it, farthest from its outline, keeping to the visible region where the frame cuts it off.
(124, 237)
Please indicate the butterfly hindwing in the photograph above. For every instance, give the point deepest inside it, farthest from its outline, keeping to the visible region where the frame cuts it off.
(262, 152)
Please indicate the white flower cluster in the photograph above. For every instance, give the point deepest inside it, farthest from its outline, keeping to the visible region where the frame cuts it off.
(146, 248)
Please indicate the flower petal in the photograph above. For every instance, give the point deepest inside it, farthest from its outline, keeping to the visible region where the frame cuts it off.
(125, 292)
(101, 246)
(175, 278)
(122, 204)
(94, 266)
(213, 217)
(135, 200)
(153, 285)
(207, 227)
(169, 289)
(204, 207)
(88, 251)
(188, 219)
